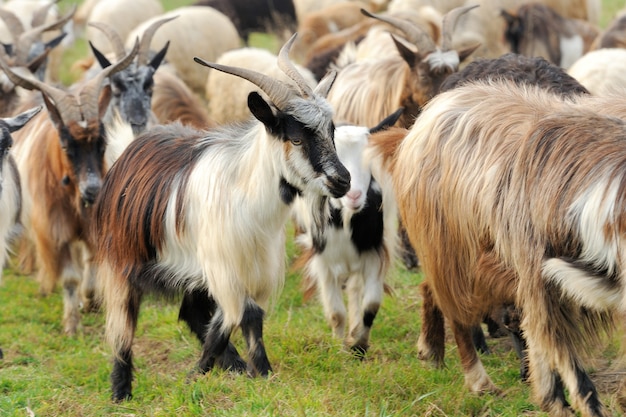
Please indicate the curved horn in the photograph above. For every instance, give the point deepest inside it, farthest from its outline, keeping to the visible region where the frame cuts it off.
(13, 23)
(278, 92)
(116, 40)
(285, 64)
(90, 92)
(146, 40)
(450, 20)
(29, 37)
(413, 33)
(323, 87)
(39, 16)
(65, 102)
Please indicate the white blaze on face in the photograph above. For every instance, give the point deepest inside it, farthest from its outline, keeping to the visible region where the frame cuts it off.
(350, 142)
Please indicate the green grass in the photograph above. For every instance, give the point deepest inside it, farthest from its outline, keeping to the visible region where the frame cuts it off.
(49, 374)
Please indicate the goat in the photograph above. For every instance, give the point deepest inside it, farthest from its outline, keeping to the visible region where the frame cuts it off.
(132, 87)
(10, 185)
(249, 16)
(358, 246)
(538, 195)
(60, 160)
(601, 71)
(537, 30)
(203, 213)
(614, 36)
(408, 80)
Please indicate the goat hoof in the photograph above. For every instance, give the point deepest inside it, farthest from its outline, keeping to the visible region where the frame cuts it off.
(359, 351)
(122, 395)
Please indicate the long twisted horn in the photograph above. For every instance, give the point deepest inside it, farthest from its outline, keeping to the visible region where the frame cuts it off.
(13, 24)
(285, 64)
(448, 24)
(90, 92)
(413, 33)
(65, 102)
(29, 37)
(39, 16)
(146, 40)
(116, 40)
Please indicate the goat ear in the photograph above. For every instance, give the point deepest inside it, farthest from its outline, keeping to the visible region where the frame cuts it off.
(388, 121)
(104, 100)
(409, 56)
(102, 60)
(56, 41)
(158, 58)
(17, 122)
(467, 51)
(262, 110)
(509, 18)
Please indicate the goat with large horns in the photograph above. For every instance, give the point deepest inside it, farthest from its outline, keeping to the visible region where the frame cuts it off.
(60, 157)
(132, 87)
(203, 213)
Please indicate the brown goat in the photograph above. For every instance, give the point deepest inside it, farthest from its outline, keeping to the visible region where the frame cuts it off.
(511, 193)
(60, 157)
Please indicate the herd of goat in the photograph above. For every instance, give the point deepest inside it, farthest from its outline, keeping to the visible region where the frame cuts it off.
(484, 141)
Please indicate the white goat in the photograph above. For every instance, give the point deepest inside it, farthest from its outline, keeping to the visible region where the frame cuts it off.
(357, 248)
(203, 213)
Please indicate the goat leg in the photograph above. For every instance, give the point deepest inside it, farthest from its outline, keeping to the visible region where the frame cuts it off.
(252, 329)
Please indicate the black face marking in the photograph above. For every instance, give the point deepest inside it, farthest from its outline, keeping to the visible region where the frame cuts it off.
(367, 225)
(298, 134)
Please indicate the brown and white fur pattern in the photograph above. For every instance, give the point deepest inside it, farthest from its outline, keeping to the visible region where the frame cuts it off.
(202, 213)
(499, 176)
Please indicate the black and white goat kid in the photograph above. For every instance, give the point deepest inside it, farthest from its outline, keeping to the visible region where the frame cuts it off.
(357, 248)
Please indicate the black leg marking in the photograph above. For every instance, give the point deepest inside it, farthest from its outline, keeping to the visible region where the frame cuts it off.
(587, 390)
(215, 343)
(122, 376)
(197, 310)
(557, 394)
(252, 329)
(480, 343)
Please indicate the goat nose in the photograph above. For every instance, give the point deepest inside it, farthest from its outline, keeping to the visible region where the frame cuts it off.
(354, 194)
(90, 188)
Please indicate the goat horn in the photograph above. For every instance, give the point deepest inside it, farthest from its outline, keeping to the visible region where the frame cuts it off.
(90, 92)
(285, 64)
(39, 16)
(278, 92)
(29, 37)
(146, 40)
(116, 40)
(413, 33)
(326, 83)
(13, 23)
(448, 24)
(62, 99)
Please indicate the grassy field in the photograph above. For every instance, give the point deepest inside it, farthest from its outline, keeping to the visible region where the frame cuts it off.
(45, 373)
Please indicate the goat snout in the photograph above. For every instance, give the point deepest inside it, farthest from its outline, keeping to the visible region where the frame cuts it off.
(339, 184)
(354, 200)
(90, 188)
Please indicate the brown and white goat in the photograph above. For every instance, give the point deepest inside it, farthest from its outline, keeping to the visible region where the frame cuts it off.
(60, 157)
(202, 213)
(503, 177)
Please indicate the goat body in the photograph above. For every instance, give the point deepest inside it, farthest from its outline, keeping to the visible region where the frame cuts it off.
(203, 213)
(540, 194)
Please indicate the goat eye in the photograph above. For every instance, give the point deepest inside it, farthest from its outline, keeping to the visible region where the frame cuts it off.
(296, 141)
